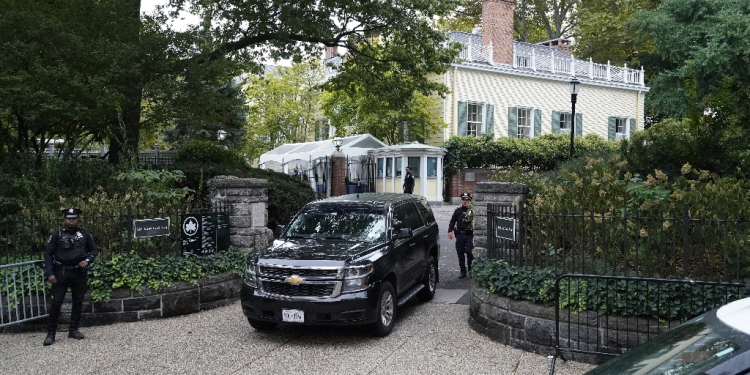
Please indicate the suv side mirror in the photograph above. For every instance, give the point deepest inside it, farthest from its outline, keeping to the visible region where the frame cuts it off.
(403, 233)
(396, 225)
(278, 231)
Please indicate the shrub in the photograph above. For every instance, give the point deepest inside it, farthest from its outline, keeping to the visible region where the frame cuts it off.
(132, 271)
(540, 153)
(614, 297)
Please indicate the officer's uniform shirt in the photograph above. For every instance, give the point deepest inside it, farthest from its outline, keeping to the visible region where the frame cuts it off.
(79, 234)
(458, 220)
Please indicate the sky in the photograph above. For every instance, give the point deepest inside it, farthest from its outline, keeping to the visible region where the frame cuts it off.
(148, 6)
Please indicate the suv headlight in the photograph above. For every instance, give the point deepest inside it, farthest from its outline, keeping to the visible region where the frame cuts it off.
(251, 279)
(355, 278)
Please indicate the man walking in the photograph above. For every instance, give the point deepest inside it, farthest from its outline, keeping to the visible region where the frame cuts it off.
(408, 181)
(69, 252)
(462, 222)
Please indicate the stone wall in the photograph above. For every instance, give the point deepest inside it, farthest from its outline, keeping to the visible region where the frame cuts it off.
(126, 305)
(511, 193)
(248, 217)
(531, 327)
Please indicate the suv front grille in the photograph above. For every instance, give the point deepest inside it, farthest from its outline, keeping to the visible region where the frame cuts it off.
(281, 288)
(302, 272)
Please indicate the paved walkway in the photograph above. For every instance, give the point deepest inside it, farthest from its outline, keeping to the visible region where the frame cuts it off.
(430, 338)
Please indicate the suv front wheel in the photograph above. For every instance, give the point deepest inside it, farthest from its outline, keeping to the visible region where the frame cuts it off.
(386, 313)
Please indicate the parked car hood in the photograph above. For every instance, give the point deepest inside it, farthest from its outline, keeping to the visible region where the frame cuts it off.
(318, 249)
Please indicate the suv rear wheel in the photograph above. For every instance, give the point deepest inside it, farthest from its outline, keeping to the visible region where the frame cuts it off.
(261, 325)
(386, 313)
(430, 280)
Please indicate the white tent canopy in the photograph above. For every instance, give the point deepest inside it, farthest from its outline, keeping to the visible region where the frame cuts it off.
(352, 146)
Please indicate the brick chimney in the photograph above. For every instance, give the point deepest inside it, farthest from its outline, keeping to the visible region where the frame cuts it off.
(332, 51)
(497, 28)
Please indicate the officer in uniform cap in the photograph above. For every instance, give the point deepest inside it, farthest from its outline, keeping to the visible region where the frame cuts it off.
(69, 252)
(464, 228)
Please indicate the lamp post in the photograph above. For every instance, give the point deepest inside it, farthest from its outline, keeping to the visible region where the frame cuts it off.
(221, 135)
(337, 142)
(574, 86)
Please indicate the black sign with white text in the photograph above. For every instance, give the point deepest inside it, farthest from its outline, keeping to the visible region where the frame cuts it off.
(151, 227)
(204, 233)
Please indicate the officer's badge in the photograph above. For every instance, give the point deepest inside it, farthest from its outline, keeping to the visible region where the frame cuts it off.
(78, 234)
(70, 211)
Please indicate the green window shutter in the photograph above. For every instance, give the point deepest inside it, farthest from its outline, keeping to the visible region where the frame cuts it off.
(612, 130)
(555, 122)
(490, 123)
(463, 118)
(537, 122)
(513, 122)
(632, 126)
(579, 124)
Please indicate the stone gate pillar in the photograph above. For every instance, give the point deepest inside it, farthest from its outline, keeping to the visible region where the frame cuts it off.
(505, 193)
(248, 216)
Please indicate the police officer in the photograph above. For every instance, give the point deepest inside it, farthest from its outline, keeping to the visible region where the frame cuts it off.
(69, 252)
(462, 223)
(408, 181)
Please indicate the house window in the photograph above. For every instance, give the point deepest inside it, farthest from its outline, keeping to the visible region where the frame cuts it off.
(474, 124)
(380, 167)
(414, 164)
(389, 167)
(565, 121)
(431, 167)
(525, 122)
(621, 125)
(321, 130)
(398, 167)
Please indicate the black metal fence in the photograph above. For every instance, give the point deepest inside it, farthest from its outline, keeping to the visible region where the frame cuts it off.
(670, 245)
(24, 237)
(603, 316)
(156, 158)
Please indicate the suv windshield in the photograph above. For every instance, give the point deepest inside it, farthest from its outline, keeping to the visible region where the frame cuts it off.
(349, 223)
(688, 349)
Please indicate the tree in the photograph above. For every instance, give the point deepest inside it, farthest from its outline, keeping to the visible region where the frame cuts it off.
(361, 112)
(533, 20)
(605, 30)
(283, 106)
(700, 54)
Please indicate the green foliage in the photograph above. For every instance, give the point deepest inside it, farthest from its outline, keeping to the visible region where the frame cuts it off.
(131, 271)
(202, 161)
(356, 111)
(13, 293)
(156, 184)
(539, 153)
(22, 186)
(698, 45)
(612, 297)
(605, 31)
(283, 106)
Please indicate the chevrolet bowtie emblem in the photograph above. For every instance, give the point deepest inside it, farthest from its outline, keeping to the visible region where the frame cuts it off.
(294, 280)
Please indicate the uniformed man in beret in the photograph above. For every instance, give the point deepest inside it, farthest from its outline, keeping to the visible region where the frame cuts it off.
(462, 222)
(70, 250)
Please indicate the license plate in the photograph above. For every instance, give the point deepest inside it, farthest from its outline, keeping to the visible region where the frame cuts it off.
(296, 316)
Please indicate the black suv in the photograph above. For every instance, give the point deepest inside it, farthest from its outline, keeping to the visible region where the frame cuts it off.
(348, 260)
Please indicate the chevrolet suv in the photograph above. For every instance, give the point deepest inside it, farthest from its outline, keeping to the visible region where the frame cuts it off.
(348, 260)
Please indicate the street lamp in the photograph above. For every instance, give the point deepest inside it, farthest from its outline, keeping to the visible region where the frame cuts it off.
(337, 142)
(221, 135)
(574, 86)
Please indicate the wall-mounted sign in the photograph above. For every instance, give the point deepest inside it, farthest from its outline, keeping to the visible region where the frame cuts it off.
(151, 227)
(505, 228)
(205, 233)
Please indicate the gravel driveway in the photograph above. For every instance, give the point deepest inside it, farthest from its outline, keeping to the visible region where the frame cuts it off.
(430, 338)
